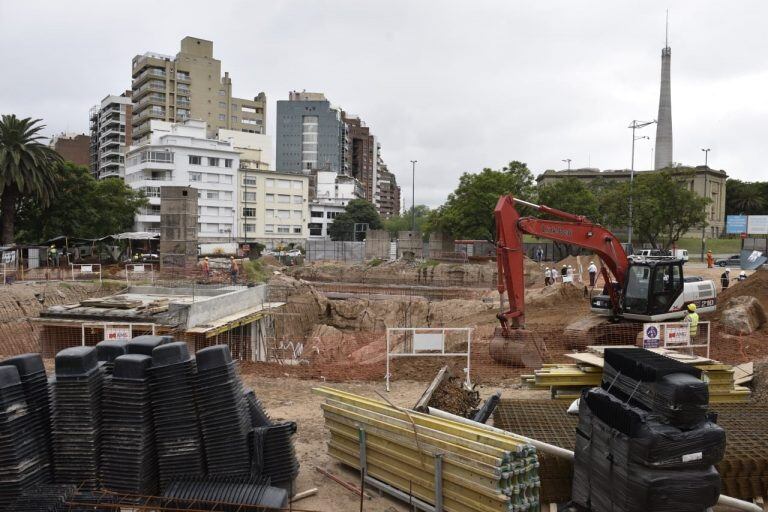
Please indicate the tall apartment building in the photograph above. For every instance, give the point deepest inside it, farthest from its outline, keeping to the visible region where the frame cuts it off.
(180, 154)
(311, 134)
(111, 135)
(388, 193)
(190, 86)
(73, 147)
(363, 155)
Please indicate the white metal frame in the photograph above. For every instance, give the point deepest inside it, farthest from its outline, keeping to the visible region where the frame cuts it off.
(441, 353)
(690, 345)
(4, 272)
(139, 269)
(104, 325)
(95, 269)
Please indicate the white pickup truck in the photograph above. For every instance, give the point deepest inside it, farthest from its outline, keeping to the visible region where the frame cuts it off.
(658, 254)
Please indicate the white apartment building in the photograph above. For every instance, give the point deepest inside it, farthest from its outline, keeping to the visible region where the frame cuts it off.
(110, 124)
(333, 193)
(273, 207)
(180, 154)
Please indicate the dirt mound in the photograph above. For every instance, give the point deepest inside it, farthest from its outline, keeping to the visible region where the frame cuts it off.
(755, 285)
(270, 261)
(555, 295)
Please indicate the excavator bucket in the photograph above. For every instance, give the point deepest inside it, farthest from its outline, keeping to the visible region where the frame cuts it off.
(519, 347)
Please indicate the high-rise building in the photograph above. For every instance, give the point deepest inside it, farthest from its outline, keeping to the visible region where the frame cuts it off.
(388, 193)
(111, 131)
(663, 151)
(180, 154)
(362, 158)
(190, 86)
(73, 147)
(311, 134)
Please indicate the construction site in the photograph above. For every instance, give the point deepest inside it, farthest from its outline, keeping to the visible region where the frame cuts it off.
(379, 385)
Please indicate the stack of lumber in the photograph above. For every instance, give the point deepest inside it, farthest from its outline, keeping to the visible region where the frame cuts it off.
(482, 471)
(565, 381)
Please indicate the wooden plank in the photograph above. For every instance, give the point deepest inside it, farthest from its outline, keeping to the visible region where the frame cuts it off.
(743, 373)
(423, 401)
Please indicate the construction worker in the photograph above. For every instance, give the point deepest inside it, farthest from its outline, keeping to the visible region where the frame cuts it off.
(710, 259)
(725, 278)
(547, 277)
(692, 318)
(592, 269)
(233, 269)
(564, 271)
(742, 275)
(206, 268)
(53, 256)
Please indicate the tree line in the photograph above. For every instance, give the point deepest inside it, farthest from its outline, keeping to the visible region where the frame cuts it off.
(42, 196)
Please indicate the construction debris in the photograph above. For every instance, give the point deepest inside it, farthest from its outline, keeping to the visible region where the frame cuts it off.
(448, 392)
(566, 381)
(432, 460)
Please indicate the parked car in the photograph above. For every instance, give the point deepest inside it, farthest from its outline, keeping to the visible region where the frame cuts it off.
(294, 253)
(649, 254)
(730, 261)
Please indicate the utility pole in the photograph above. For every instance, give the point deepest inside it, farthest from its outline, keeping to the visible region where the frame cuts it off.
(706, 155)
(568, 162)
(635, 125)
(413, 196)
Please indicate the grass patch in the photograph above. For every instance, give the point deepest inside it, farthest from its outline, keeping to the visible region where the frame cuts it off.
(716, 245)
(375, 262)
(254, 271)
(429, 264)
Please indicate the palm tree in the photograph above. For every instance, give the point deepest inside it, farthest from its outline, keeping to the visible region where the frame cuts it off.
(750, 200)
(27, 167)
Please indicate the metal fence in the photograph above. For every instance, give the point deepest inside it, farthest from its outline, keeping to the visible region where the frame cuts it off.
(335, 250)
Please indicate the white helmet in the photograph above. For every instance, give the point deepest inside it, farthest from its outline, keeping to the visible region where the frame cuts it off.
(727, 271)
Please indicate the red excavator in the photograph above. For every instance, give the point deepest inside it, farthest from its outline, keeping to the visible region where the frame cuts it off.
(648, 291)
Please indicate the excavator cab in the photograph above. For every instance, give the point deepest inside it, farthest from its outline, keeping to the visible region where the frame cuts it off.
(651, 290)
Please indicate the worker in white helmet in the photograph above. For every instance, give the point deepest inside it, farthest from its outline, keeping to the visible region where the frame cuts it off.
(592, 269)
(725, 278)
(742, 275)
(547, 277)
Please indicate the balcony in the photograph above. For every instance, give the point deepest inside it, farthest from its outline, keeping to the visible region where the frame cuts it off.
(151, 113)
(183, 103)
(147, 74)
(154, 85)
(183, 77)
(155, 98)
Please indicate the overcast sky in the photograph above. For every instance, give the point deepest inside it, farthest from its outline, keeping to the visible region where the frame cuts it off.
(457, 86)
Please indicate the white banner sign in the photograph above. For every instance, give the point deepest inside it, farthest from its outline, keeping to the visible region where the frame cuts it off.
(757, 224)
(117, 333)
(677, 334)
(424, 341)
(86, 269)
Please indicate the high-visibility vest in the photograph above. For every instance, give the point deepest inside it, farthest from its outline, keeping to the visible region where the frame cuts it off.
(693, 320)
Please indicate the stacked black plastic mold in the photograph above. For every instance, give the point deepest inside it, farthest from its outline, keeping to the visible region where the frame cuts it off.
(128, 455)
(76, 418)
(273, 454)
(21, 456)
(107, 351)
(259, 416)
(177, 433)
(44, 498)
(34, 381)
(189, 494)
(223, 411)
(146, 344)
(644, 442)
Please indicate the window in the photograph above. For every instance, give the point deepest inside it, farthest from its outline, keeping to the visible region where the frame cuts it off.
(298, 199)
(316, 215)
(284, 229)
(249, 181)
(222, 104)
(283, 214)
(195, 176)
(249, 212)
(296, 230)
(249, 228)
(195, 160)
(270, 198)
(330, 215)
(212, 194)
(213, 162)
(283, 184)
(234, 106)
(228, 163)
(249, 121)
(296, 185)
(222, 92)
(211, 178)
(227, 196)
(316, 229)
(249, 110)
(249, 196)
(226, 179)
(270, 214)
(212, 211)
(269, 228)
(283, 198)
(222, 117)
(297, 214)
(269, 182)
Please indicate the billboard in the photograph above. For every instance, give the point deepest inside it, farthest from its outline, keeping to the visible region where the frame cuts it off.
(736, 224)
(757, 224)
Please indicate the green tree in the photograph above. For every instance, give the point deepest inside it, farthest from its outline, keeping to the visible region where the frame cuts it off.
(358, 211)
(664, 208)
(468, 212)
(27, 168)
(403, 222)
(84, 207)
(743, 198)
(570, 195)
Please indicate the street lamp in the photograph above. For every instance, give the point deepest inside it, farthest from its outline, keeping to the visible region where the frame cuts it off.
(635, 125)
(706, 155)
(413, 196)
(568, 161)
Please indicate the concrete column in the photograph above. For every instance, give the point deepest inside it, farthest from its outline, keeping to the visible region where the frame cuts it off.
(663, 152)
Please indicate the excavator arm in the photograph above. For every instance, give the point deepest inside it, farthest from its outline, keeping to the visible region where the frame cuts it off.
(572, 229)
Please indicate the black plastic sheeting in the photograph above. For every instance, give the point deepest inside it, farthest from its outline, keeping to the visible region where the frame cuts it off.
(255, 491)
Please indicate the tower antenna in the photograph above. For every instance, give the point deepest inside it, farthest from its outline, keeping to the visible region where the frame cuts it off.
(666, 33)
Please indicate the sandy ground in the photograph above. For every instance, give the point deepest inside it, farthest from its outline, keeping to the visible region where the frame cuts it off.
(292, 399)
